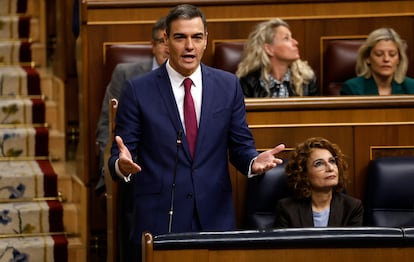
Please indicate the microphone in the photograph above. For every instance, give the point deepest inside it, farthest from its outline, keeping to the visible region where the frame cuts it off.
(171, 212)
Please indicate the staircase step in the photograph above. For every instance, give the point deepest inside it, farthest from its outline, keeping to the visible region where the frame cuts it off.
(53, 90)
(39, 54)
(76, 249)
(16, 80)
(70, 218)
(24, 141)
(35, 248)
(27, 180)
(57, 145)
(22, 52)
(31, 217)
(16, 27)
(18, 111)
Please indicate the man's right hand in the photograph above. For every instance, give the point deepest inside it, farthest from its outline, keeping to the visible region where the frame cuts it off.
(125, 163)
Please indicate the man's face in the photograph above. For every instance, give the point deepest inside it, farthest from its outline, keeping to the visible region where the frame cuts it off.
(187, 42)
(160, 48)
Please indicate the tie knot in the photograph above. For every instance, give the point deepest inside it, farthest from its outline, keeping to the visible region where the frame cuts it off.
(187, 84)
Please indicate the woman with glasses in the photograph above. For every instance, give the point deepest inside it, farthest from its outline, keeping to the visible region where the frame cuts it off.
(315, 174)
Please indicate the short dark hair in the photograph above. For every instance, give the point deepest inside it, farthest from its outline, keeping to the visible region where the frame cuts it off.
(159, 25)
(184, 11)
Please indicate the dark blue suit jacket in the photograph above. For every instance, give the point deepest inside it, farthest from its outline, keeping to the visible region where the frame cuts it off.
(148, 121)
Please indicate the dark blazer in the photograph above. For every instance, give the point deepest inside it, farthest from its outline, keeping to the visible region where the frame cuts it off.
(121, 73)
(363, 86)
(252, 88)
(149, 123)
(345, 211)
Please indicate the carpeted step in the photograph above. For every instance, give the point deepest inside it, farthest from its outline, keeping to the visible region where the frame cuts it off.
(16, 80)
(24, 142)
(27, 53)
(29, 179)
(22, 111)
(14, 7)
(31, 217)
(19, 27)
(40, 248)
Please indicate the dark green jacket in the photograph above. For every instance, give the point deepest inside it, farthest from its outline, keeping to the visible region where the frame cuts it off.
(362, 86)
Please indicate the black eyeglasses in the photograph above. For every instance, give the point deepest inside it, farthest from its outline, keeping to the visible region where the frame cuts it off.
(321, 164)
(160, 41)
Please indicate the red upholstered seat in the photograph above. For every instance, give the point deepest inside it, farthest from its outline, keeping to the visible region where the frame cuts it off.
(227, 55)
(339, 64)
(125, 53)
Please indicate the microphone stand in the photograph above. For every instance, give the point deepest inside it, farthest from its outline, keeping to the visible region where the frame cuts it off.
(171, 212)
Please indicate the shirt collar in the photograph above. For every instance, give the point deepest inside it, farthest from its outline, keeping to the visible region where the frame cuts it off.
(177, 79)
(155, 65)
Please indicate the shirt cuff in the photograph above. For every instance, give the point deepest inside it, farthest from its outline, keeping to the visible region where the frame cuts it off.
(249, 173)
(119, 173)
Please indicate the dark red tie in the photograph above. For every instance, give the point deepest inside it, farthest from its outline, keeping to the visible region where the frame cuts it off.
(190, 118)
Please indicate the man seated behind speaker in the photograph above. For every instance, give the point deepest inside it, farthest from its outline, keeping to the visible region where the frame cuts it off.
(126, 71)
(316, 175)
(271, 64)
(381, 67)
(121, 73)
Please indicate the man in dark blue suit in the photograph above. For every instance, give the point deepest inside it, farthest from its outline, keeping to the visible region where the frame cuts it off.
(150, 121)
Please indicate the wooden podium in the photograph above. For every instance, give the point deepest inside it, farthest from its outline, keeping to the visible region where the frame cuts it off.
(304, 244)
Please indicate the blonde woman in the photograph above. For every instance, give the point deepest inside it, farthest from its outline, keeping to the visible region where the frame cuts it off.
(381, 66)
(271, 65)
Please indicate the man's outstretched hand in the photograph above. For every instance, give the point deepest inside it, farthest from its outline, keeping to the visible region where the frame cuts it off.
(125, 163)
(267, 160)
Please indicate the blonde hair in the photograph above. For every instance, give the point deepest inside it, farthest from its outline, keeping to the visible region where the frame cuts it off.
(363, 69)
(255, 57)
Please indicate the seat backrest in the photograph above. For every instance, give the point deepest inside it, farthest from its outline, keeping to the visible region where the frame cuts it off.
(227, 55)
(389, 199)
(125, 53)
(339, 61)
(263, 192)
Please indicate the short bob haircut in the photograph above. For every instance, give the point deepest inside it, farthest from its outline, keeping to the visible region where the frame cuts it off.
(387, 34)
(296, 168)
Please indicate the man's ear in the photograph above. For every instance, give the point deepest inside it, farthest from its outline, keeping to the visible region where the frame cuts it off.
(205, 46)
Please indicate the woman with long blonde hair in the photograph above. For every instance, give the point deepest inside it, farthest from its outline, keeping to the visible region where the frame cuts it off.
(271, 64)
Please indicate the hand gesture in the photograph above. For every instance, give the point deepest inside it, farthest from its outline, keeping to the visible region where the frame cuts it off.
(125, 163)
(267, 160)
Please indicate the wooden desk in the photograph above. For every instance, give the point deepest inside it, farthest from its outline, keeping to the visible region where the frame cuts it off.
(309, 244)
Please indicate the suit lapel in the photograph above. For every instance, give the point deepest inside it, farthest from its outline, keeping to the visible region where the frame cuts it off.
(165, 90)
(207, 99)
(336, 212)
(306, 213)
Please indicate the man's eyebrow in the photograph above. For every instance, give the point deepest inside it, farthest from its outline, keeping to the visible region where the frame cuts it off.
(184, 34)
